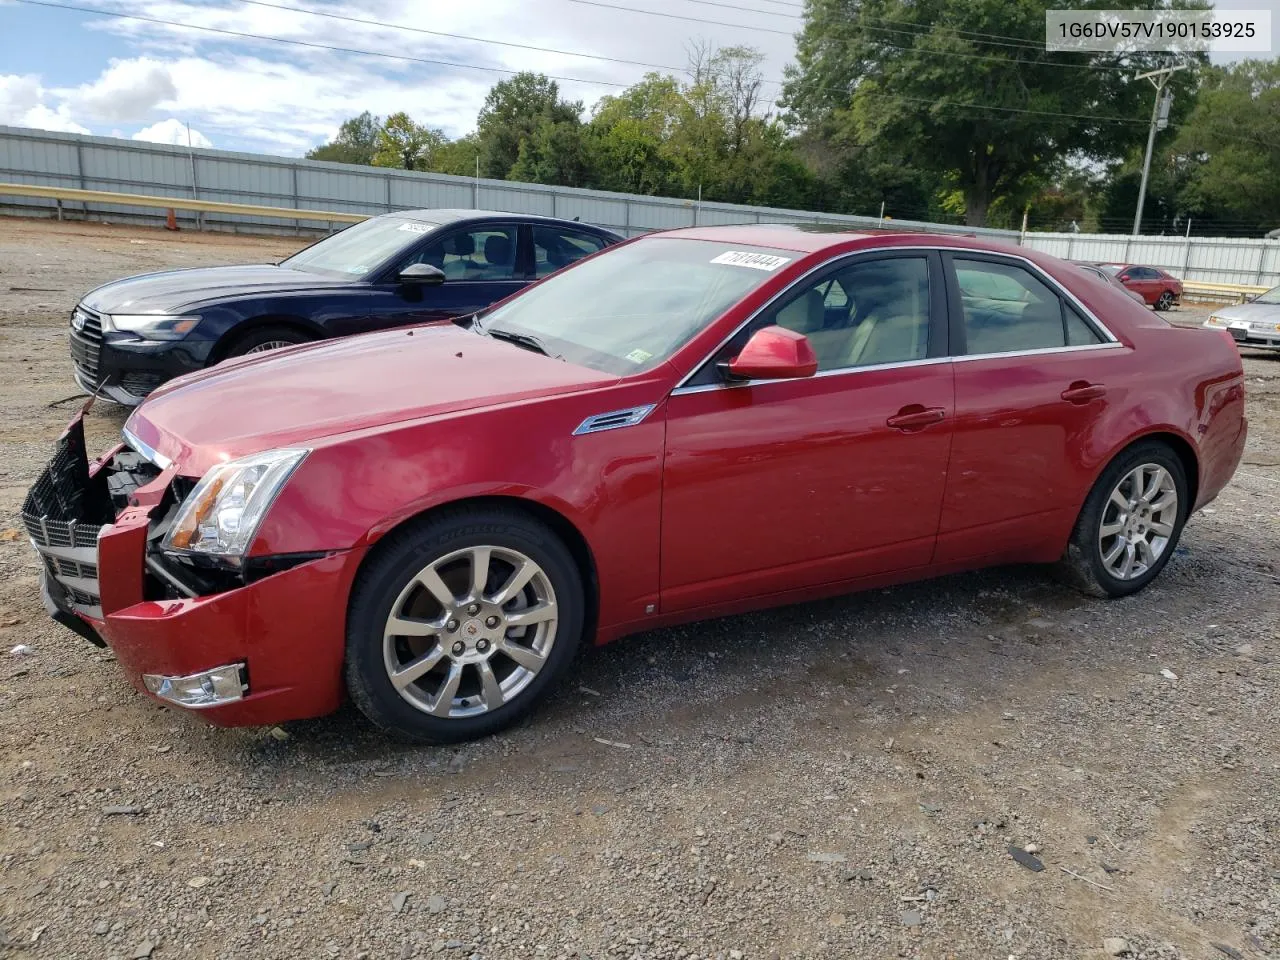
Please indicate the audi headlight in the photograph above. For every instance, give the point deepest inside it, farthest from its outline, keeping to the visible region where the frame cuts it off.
(153, 326)
(221, 516)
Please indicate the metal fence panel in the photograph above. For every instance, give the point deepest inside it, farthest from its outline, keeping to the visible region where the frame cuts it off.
(128, 166)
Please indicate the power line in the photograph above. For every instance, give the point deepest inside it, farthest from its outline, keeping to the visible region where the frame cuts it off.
(305, 43)
(884, 43)
(472, 66)
(456, 36)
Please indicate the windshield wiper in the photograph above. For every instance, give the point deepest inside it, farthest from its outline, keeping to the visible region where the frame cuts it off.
(519, 339)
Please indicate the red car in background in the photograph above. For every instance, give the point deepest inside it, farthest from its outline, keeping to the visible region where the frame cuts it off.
(432, 520)
(1157, 287)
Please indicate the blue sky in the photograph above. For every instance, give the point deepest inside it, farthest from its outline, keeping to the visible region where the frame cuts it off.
(78, 71)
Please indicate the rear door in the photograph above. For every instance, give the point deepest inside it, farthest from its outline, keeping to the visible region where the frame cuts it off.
(482, 264)
(1033, 375)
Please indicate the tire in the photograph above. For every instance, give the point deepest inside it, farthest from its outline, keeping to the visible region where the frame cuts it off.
(473, 630)
(1165, 302)
(266, 338)
(1089, 562)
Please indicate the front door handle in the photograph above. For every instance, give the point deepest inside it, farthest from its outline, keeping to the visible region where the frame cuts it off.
(915, 417)
(1082, 392)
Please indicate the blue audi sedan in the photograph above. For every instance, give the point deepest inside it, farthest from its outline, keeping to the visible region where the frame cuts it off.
(416, 266)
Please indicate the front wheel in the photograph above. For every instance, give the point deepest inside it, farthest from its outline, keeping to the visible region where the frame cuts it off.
(461, 624)
(266, 338)
(1130, 523)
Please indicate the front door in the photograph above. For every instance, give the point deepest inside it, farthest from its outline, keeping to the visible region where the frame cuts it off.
(482, 265)
(1032, 378)
(776, 485)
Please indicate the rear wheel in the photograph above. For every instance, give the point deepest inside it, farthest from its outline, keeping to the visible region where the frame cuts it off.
(266, 338)
(460, 625)
(1165, 302)
(1130, 523)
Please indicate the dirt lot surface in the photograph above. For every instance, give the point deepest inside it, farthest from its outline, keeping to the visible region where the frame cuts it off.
(840, 779)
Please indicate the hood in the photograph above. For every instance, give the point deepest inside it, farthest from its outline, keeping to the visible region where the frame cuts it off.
(300, 395)
(1249, 311)
(178, 289)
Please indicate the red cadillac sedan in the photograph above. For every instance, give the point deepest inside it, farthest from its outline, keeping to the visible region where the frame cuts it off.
(432, 520)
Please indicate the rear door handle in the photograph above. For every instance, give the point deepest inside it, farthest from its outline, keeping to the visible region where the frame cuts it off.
(915, 417)
(1082, 392)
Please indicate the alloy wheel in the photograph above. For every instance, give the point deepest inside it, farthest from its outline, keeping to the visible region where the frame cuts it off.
(269, 345)
(1138, 521)
(470, 631)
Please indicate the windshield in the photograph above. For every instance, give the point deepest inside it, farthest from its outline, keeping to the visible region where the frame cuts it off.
(358, 249)
(1111, 268)
(631, 308)
(1271, 296)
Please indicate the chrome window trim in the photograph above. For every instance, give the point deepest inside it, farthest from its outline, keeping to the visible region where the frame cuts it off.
(1090, 317)
(146, 450)
(1111, 345)
(871, 368)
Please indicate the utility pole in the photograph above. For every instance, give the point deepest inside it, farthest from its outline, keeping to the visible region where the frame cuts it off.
(1159, 120)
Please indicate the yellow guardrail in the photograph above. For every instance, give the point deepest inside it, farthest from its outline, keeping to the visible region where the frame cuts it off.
(1217, 292)
(174, 203)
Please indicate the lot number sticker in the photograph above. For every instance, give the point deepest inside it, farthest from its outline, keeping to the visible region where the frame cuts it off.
(756, 261)
(415, 227)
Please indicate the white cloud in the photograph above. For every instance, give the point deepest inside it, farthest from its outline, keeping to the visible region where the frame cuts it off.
(21, 105)
(126, 92)
(172, 131)
(284, 98)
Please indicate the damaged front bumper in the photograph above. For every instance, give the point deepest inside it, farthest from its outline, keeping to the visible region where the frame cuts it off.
(259, 644)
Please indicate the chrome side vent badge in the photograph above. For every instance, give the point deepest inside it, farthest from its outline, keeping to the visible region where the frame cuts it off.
(614, 419)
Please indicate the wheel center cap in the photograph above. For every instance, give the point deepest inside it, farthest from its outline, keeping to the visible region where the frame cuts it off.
(472, 630)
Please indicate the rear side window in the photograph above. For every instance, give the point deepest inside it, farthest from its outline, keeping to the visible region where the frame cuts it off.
(1008, 309)
(555, 248)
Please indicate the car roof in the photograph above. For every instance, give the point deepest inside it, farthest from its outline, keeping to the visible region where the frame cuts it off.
(814, 238)
(450, 215)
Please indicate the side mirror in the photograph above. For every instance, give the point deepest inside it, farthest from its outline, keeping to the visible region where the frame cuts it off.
(422, 273)
(774, 353)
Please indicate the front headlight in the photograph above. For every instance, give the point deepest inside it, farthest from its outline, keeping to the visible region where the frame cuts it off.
(153, 326)
(221, 516)
(1217, 321)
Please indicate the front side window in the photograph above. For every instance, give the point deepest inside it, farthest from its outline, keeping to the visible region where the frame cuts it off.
(870, 312)
(555, 248)
(480, 253)
(635, 305)
(358, 250)
(1007, 308)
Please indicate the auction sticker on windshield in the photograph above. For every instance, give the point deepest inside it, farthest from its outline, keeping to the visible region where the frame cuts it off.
(416, 227)
(756, 261)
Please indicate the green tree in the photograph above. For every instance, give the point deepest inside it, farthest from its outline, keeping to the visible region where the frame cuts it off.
(457, 157)
(356, 141)
(513, 112)
(993, 117)
(1229, 148)
(555, 153)
(407, 145)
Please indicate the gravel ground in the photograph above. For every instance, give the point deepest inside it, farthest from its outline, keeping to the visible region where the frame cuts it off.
(840, 779)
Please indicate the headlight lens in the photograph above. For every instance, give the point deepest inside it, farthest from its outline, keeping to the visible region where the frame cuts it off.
(221, 516)
(1217, 321)
(153, 326)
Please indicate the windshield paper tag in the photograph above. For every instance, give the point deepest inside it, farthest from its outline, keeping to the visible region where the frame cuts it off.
(756, 261)
(415, 227)
(639, 356)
